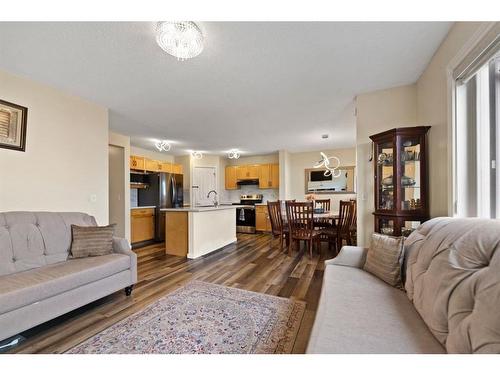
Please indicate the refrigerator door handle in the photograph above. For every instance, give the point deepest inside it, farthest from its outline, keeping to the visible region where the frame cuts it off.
(174, 192)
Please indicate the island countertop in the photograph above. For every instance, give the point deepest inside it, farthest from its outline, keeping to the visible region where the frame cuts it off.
(208, 208)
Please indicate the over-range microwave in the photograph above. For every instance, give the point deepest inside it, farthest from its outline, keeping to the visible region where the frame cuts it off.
(318, 182)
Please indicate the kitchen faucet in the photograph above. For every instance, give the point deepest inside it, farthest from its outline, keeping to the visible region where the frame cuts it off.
(216, 202)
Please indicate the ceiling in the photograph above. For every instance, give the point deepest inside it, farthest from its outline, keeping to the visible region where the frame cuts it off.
(257, 86)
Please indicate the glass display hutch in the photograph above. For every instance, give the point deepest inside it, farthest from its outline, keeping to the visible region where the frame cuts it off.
(401, 184)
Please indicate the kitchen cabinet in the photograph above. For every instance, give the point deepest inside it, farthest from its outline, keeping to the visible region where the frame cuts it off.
(142, 223)
(137, 163)
(140, 163)
(262, 221)
(230, 177)
(248, 172)
(269, 176)
(176, 168)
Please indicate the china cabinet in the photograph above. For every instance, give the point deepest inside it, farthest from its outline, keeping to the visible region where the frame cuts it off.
(401, 182)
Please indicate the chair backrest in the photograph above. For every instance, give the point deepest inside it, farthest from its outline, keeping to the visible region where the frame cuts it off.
(274, 209)
(300, 216)
(354, 214)
(346, 212)
(323, 203)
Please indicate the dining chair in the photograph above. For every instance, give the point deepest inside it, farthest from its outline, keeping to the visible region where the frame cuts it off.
(354, 226)
(278, 229)
(323, 222)
(300, 217)
(341, 231)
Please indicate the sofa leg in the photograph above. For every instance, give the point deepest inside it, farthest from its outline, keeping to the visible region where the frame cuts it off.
(128, 290)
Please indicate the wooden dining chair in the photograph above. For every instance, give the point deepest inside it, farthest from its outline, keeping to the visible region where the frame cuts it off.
(354, 224)
(325, 205)
(278, 229)
(300, 217)
(341, 231)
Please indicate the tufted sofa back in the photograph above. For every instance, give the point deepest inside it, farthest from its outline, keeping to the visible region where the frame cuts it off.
(453, 279)
(34, 239)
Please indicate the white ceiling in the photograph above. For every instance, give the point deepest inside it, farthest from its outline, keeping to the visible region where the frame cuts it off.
(257, 86)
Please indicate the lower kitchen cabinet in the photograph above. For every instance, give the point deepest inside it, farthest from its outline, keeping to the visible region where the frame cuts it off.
(262, 221)
(142, 223)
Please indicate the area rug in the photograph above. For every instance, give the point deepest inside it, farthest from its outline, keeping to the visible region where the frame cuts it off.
(203, 318)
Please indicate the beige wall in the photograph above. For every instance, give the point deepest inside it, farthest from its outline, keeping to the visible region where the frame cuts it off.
(65, 166)
(432, 109)
(376, 112)
(119, 208)
(299, 162)
(257, 159)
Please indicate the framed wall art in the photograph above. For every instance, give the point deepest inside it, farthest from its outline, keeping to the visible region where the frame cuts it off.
(13, 118)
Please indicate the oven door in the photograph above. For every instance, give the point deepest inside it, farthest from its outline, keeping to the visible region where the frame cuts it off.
(245, 220)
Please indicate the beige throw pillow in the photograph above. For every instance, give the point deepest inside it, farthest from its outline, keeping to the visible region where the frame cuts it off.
(385, 257)
(91, 241)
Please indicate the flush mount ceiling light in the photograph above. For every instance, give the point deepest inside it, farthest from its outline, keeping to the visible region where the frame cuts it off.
(331, 170)
(197, 155)
(162, 146)
(233, 154)
(183, 40)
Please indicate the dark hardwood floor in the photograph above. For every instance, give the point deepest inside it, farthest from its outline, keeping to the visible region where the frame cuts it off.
(253, 263)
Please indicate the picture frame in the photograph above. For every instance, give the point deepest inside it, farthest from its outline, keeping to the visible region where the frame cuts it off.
(13, 120)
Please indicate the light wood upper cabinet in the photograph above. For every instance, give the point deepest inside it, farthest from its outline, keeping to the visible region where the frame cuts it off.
(144, 164)
(269, 177)
(231, 178)
(137, 163)
(248, 172)
(275, 176)
(177, 168)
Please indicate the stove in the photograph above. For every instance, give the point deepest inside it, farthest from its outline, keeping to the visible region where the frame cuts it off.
(245, 216)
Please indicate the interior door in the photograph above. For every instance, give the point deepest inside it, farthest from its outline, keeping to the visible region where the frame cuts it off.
(204, 180)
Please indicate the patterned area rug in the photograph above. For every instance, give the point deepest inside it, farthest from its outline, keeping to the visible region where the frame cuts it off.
(204, 318)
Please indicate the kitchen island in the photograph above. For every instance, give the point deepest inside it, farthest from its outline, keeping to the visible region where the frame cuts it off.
(197, 231)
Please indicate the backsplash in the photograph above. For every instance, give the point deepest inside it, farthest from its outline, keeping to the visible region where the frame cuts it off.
(234, 195)
(134, 197)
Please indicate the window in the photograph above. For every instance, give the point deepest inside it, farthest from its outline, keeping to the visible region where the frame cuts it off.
(477, 143)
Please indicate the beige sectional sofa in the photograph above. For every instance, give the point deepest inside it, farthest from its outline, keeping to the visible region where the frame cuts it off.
(38, 279)
(451, 303)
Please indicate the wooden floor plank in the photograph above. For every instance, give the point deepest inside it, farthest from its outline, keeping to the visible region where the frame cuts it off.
(253, 263)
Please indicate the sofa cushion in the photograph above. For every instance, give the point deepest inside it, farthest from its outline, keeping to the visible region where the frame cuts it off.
(453, 279)
(385, 258)
(34, 239)
(359, 313)
(91, 241)
(23, 288)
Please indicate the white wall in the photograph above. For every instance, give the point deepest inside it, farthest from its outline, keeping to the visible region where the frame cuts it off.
(299, 162)
(376, 112)
(65, 165)
(432, 109)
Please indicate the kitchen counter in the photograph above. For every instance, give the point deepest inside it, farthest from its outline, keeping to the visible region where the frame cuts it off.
(141, 207)
(204, 209)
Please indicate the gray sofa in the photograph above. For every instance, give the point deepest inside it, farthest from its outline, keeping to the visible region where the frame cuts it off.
(38, 280)
(451, 303)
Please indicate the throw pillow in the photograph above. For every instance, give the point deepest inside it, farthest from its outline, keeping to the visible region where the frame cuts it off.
(385, 257)
(91, 241)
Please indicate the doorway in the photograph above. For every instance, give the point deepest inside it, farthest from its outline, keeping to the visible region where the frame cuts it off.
(117, 189)
(204, 180)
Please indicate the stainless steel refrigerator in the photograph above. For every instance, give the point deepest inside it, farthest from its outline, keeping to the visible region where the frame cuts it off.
(164, 191)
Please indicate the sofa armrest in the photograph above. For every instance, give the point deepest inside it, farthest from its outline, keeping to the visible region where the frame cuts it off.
(121, 246)
(350, 256)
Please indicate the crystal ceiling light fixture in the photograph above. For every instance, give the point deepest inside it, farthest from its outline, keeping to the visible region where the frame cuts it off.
(233, 154)
(162, 146)
(197, 155)
(183, 39)
(331, 170)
